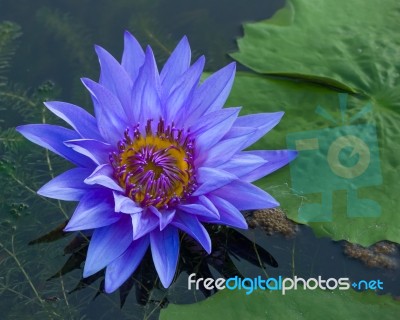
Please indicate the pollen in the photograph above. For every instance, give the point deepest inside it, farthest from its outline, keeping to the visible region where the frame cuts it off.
(155, 168)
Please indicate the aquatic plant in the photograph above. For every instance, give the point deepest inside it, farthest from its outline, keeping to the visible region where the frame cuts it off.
(160, 156)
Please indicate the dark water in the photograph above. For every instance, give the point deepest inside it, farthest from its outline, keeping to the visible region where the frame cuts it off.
(54, 50)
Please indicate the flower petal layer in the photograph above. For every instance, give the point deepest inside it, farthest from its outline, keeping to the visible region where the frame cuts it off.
(165, 252)
(246, 196)
(52, 138)
(121, 269)
(95, 210)
(133, 56)
(107, 244)
(67, 186)
(79, 119)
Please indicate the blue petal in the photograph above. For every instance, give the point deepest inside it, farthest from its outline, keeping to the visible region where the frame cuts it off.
(182, 90)
(146, 102)
(211, 128)
(103, 175)
(245, 196)
(214, 91)
(275, 159)
(176, 65)
(67, 186)
(133, 56)
(110, 115)
(125, 205)
(96, 150)
(52, 138)
(79, 119)
(242, 164)
(121, 269)
(198, 209)
(203, 200)
(165, 216)
(165, 252)
(229, 215)
(262, 122)
(210, 179)
(114, 77)
(222, 151)
(191, 225)
(94, 210)
(107, 244)
(143, 223)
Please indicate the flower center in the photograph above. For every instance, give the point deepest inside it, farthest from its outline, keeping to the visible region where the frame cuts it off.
(155, 169)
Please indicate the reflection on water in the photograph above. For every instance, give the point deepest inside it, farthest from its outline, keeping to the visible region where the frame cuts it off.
(53, 44)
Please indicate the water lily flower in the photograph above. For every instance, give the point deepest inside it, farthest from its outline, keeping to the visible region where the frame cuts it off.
(161, 156)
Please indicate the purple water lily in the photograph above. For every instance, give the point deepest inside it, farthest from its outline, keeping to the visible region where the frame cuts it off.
(161, 156)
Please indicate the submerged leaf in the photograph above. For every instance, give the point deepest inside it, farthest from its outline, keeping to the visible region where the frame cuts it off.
(294, 305)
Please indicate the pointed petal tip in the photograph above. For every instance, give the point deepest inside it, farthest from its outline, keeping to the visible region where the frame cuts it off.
(86, 82)
(98, 48)
(69, 228)
(201, 60)
(293, 154)
(184, 39)
(232, 65)
(243, 225)
(280, 114)
(109, 287)
(127, 33)
(20, 129)
(100, 51)
(149, 50)
(88, 270)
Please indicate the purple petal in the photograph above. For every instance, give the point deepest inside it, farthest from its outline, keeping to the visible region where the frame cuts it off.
(210, 179)
(182, 90)
(133, 56)
(191, 225)
(275, 159)
(211, 128)
(95, 210)
(176, 65)
(143, 223)
(242, 164)
(262, 122)
(107, 244)
(125, 205)
(214, 91)
(229, 215)
(110, 115)
(222, 151)
(52, 138)
(245, 196)
(79, 119)
(96, 150)
(124, 266)
(114, 77)
(198, 209)
(68, 186)
(239, 131)
(146, 102)
(203, 200)
(103, 175)
(165, 252)
(165, 216)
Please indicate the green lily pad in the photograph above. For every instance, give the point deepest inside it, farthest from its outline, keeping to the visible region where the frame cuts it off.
(309, 179)
(352, 45)
(296, 305)
(344, 183)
